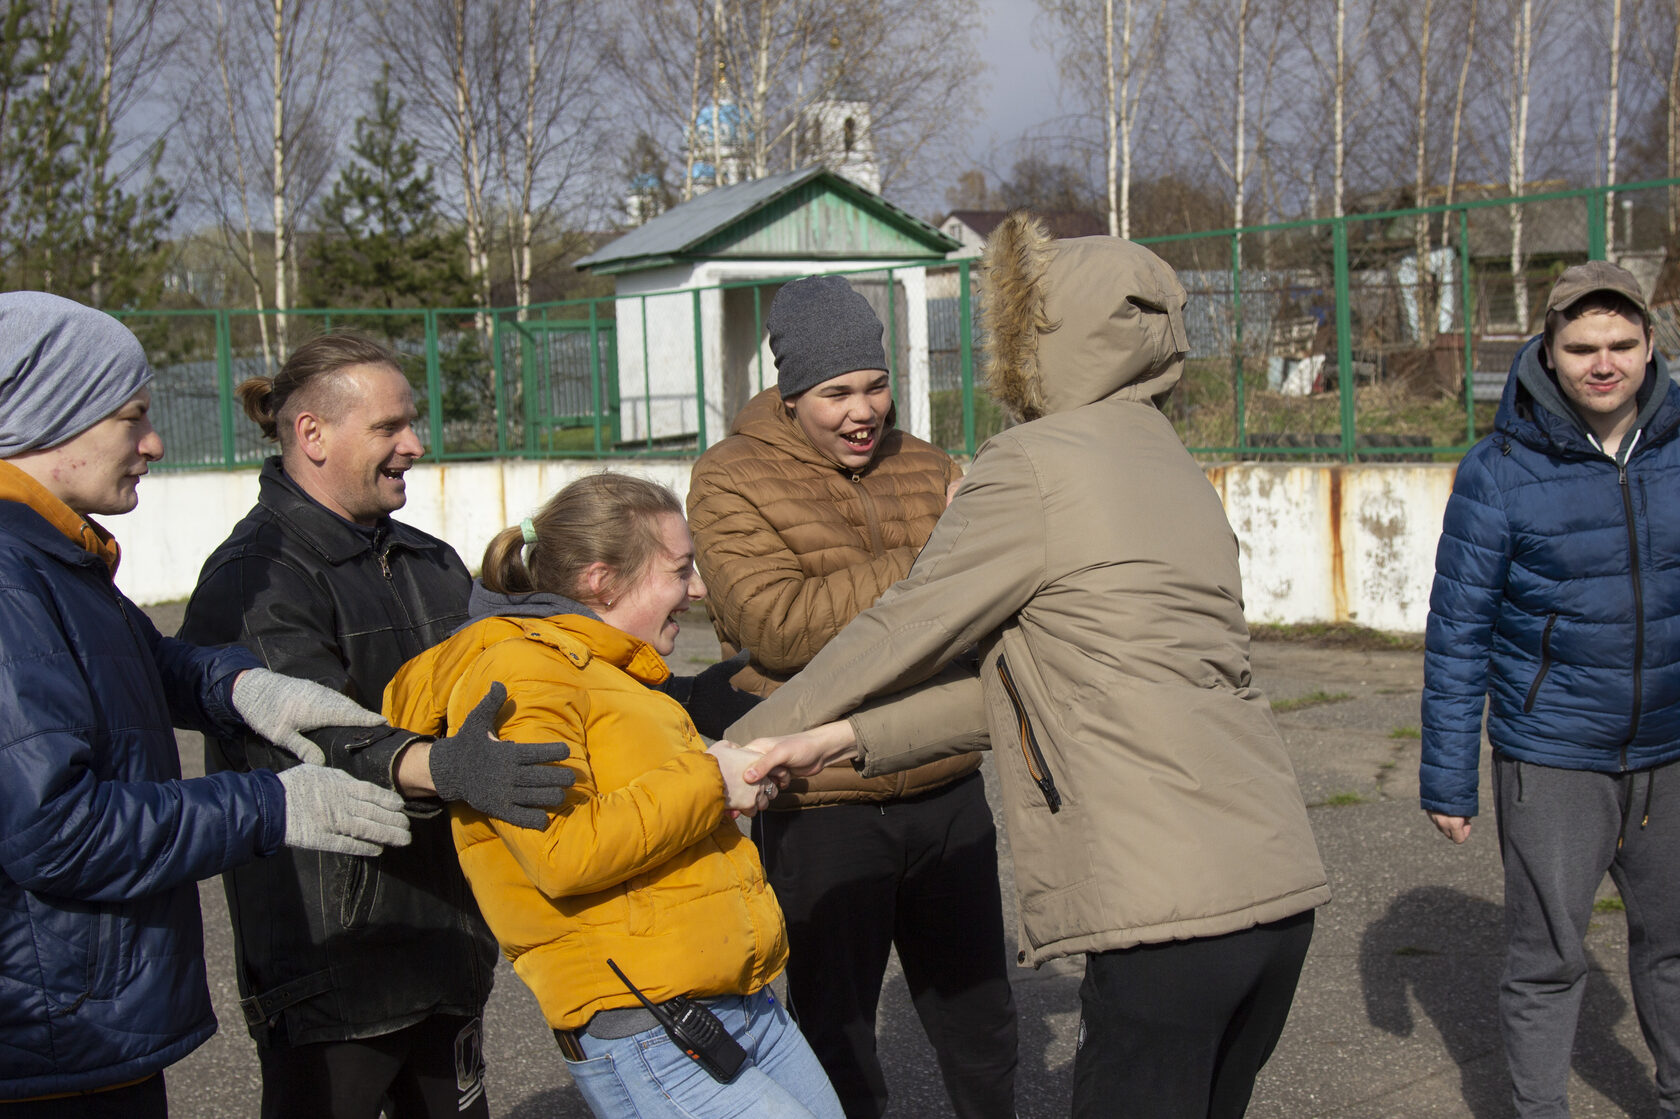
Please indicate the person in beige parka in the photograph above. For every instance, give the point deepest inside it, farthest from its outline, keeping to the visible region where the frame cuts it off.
(814, 505)
(1155, 820)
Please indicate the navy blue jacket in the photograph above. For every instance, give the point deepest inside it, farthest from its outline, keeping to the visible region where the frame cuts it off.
(1557, 594)
(101, 843)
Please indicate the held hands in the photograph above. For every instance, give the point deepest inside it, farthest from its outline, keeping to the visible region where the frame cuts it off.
(280, 708)
(744, 797)
(804, 753)
(1455, 828)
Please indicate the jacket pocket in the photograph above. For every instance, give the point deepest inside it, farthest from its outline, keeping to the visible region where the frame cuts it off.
(1545, 663)
(358, 885)
(1037, 768)
(106, 953)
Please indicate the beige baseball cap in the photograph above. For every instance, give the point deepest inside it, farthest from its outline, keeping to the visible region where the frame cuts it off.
(1580, 280)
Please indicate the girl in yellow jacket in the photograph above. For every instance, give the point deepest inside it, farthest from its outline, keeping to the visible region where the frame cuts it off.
(644, 869)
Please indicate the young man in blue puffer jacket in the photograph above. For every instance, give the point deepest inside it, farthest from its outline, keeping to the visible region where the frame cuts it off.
(102, 979)
(1557, 599)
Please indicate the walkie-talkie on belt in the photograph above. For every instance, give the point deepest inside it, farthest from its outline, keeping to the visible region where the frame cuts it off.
(695, 1030)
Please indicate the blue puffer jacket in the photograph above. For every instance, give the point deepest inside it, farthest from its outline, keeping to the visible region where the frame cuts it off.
(1557, 594)
(101, 951)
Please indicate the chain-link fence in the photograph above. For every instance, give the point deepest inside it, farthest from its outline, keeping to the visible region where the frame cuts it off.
(1375, 335)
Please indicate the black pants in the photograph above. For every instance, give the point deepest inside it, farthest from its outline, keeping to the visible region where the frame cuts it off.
(432, 1069)
(145, 1100)
(855, 880)
(1180, 1030)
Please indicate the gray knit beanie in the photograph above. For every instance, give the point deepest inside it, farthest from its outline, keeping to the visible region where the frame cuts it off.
(63, 368)
(820, 329)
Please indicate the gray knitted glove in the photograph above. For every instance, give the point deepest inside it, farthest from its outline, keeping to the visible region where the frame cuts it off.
(510, 781)
(329, 810)
(281, 708)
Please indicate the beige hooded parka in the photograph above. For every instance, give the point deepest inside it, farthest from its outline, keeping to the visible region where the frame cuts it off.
(1148, 794)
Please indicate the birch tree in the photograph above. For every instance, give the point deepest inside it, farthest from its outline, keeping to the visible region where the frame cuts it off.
(1345, 93)
(1420, 173)
(1612, 122)
(1121, 70)
(660, 56)
(1522, 62)
(1671, 134)
(446, 56)
(126, 201)
(82, 212)
(551, 129)
(1454, 148)
(266, 134)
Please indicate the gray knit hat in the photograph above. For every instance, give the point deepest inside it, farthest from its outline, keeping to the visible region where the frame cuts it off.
(820, 329)
(63, 368)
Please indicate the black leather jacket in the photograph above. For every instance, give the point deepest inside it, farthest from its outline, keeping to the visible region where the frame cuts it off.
(333, 947)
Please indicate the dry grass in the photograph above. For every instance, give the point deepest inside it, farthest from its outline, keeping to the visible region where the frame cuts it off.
(1338, 635)
(1203, 409)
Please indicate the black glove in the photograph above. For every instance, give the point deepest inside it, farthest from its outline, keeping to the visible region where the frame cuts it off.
(709, 698)
(510, 781)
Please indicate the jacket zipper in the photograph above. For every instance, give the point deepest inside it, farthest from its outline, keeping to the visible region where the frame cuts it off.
(1545, 663)
(1638, 609)
(1030, 753)
(876, 545)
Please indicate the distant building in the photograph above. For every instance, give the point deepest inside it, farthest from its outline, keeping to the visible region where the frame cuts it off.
(717, 150)
(836, 133)
(720, 145)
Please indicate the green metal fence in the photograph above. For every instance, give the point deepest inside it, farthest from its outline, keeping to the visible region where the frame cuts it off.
(1336, 338)
(1331, 338)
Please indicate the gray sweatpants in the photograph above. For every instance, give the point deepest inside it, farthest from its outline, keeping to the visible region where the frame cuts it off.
(1558, 834)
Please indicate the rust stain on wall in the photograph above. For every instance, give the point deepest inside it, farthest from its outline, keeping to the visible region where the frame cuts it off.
(1338, 560)
(1216, 478)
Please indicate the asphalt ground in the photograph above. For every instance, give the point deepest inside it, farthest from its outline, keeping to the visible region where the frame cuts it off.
(1395, 1016)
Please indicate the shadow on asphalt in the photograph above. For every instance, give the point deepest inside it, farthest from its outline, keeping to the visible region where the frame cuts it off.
(1441, 950)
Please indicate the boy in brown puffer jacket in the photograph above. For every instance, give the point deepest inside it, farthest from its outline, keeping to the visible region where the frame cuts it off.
(811, 508)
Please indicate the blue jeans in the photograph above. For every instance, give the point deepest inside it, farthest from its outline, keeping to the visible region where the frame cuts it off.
(645, 1076)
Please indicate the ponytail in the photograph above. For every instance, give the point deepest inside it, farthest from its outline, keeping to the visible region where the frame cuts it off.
(256, 397)
(504, 570)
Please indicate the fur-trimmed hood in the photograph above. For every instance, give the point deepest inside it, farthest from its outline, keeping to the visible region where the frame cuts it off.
(1072, 322)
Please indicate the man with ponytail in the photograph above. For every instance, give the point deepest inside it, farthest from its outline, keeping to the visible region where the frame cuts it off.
(362, 980)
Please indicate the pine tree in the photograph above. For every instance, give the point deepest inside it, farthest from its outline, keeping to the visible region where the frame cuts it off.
(67, 224)
(381, 242)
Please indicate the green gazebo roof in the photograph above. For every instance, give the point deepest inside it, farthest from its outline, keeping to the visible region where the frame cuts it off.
(808, 214)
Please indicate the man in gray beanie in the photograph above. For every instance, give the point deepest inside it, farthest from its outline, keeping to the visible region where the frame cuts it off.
(101, 840)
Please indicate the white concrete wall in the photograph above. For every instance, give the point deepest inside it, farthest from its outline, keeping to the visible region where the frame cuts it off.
(1336, 543)
(183, 516)
(1318, 543)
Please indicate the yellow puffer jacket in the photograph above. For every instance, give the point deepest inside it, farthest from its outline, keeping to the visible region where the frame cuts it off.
(643, 864)
(792, 547)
